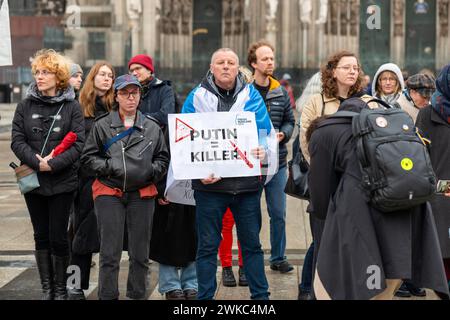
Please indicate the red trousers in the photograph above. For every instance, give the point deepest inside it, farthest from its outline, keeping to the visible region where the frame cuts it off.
(225, 249)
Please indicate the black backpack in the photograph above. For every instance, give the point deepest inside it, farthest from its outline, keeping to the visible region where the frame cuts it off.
(396, 168)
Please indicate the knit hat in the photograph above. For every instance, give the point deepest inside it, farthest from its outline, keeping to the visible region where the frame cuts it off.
(424, 84)
(74, 69)
(143, 60)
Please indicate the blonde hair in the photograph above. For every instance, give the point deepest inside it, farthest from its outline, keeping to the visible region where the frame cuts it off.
(54, 62)
(88, 93)
(248, 76)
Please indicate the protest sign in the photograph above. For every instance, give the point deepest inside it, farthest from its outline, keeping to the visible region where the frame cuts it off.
(217, 143)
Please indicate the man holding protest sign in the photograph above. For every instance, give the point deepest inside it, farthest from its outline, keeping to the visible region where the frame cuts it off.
(261, 59)
(225, 90)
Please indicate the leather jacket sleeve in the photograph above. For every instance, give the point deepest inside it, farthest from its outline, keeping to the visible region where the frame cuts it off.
(93, 157)
(161, 159)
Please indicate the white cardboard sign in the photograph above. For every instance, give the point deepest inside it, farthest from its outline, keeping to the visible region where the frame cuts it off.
(217, 143)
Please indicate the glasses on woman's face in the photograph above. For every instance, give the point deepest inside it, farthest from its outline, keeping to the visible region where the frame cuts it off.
(388, 79)
(349, 68)
(44, 73)
(127, 94)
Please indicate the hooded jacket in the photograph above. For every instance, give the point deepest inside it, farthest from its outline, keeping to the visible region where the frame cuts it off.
(392, 68)
(207, 98)
(32, 121)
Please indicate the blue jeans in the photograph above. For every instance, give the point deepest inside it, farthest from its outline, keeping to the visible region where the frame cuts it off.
(307, 271)
(246, 208)
(276, 206)
(173, 278)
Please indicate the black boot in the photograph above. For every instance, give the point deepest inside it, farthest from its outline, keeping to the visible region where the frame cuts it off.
(60, 265)
(228, 279)
(44, 265)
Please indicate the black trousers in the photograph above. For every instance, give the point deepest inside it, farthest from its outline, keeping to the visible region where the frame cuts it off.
(50, 217)
(83, 261)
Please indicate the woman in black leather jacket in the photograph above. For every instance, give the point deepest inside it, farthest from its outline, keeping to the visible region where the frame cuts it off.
(127, 152)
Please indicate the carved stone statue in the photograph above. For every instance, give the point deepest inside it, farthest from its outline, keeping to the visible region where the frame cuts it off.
(399, 8)
(273, 8)
(354, 17)
(344, 16)
(238, 14)
(186, 16)
(323, 12)
(134, 9)
(334, 5)
(443, 17)
(175, 16)
(165, 16)
(227, 16)
(305, 11)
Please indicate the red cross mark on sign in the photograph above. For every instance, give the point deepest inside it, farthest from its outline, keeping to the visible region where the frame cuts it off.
(182, 130)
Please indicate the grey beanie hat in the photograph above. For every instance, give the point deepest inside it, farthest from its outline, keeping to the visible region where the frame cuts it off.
(74, 69)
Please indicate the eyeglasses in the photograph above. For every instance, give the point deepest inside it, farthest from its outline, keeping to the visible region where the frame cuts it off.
(128, 94)
(348, 68)
(384, 80)
(44, 73)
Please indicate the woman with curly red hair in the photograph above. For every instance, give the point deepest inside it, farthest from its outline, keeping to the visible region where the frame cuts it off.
(41, 121)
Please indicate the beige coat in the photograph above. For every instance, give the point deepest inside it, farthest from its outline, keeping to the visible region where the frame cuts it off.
(408, 107)
(313, 110)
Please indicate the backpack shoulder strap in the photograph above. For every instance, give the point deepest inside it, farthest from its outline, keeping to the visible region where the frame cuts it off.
(340, 117)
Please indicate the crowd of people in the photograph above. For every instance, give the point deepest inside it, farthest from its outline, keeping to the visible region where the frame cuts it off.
(108, 187)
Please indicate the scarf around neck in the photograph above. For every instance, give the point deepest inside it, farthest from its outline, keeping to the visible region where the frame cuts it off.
(441, 98)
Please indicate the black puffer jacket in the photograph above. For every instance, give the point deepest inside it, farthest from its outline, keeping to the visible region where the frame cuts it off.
(158, 100)
(279, 106)
(131, 163)
(32, 121)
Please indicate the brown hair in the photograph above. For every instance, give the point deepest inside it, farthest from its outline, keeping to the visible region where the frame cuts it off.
(329, 83)
(55, 63)
(251, 55)
(88, 94)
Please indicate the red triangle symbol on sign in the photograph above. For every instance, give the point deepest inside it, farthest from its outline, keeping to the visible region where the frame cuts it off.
(182, 130)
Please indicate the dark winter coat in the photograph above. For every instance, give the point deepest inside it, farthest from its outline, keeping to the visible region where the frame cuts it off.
(133, 163)
(357, 239)
(158, 100)
(438, 131)
(279, 106)
(174, 240)
(32, 121)
(84, 220)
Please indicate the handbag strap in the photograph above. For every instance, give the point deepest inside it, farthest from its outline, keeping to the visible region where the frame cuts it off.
(323, 105)
(51, 128)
